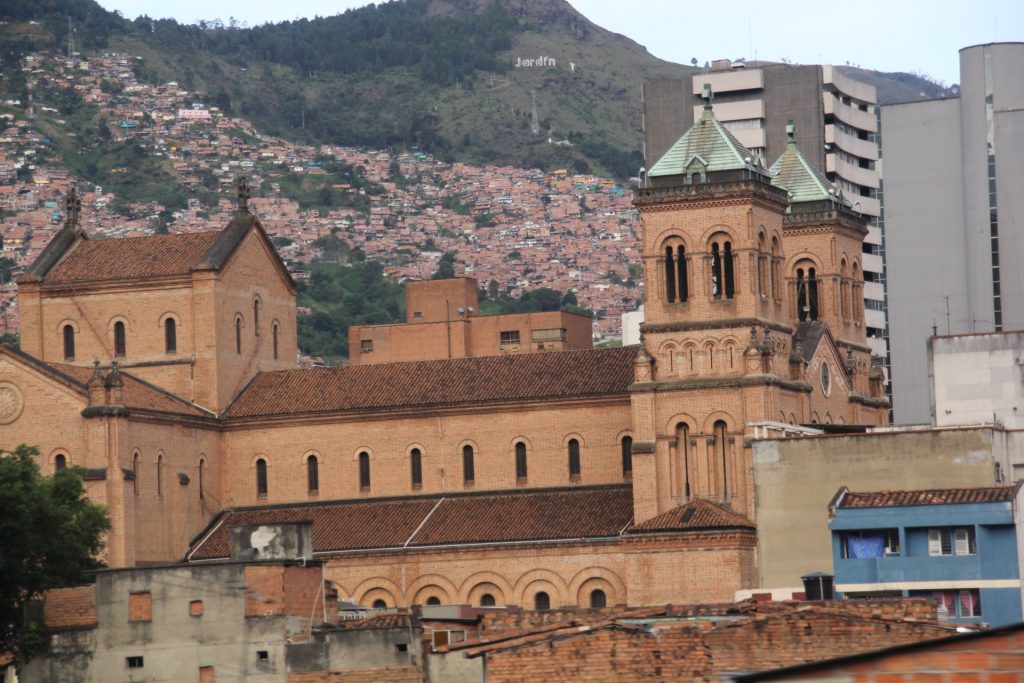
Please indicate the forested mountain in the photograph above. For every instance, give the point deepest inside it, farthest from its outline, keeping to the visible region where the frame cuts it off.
(519, 82)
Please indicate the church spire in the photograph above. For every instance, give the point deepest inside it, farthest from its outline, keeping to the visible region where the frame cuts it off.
(72, 209)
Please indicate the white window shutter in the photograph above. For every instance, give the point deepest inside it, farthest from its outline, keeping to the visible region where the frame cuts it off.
(962, 545)
(934, 542)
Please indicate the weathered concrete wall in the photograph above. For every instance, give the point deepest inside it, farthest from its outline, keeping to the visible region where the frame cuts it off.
(796, 478)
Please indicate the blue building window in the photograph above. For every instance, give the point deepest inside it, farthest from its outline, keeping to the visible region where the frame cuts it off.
(871, 543)
(958, 604)
(952, 541)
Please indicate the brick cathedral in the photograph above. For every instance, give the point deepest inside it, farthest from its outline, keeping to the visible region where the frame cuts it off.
(164, 366)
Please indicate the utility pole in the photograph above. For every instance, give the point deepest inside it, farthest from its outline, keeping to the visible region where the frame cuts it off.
(71, 42)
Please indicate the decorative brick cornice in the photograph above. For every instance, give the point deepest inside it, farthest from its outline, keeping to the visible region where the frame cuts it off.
(721, 383)
(704, 325)
(651, 198)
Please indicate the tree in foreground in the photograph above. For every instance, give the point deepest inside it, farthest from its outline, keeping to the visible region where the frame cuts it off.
(50, 536)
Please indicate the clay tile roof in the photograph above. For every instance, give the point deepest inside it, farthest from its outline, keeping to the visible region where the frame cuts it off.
(136, 393)
(698, 514)
(132, 257)
(415, 385)
(484, 517)
(878, 499)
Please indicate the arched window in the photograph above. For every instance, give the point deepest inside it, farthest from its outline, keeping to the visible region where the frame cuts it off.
(238, 335)
(716, 272)
(202, 480)
(683, 453)
(722, 450)
(416, 465)
(468, 473)
(160, 475)
(487, 600)
(627, 456)
(541, 601)
(433, 600)
(69, 342)
(681, 273)
(844, 291)
(521, 461)
(598, 598)
(261, 478)
(762, 265)
(135, 473)
(60, 462)
(806, 294)
(312, 474)
(256, 317)
(574, 460)
(730, 281)
(364, 471)
(670, 276)
(119, 339)
(274, 334)
(776, 254)
(170, 336)
(379, 604)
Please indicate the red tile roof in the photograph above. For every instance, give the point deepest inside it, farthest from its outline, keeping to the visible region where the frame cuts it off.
(137, 394)
(522, 377)
(696, 515)
(484, 517)
(878, 499)
(132, 257)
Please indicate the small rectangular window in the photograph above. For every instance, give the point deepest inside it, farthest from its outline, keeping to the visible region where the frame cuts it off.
(509, 337)
(133, 662)
(262, 655)
(366, 346)
(195, 608)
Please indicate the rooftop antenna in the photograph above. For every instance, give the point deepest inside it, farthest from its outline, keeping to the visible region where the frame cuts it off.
(71, 40)
(534, 125)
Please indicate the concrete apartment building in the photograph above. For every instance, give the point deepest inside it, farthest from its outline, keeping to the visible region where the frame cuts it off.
(837, 130)
(954, 215)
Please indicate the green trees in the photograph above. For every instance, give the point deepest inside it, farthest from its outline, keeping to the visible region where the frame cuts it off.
(50, 535)
(343, 295)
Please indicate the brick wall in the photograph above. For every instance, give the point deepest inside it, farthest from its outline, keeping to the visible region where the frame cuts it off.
(70, 607)
(635, 570)
(992, 658)
(394, 674)
(611, 654)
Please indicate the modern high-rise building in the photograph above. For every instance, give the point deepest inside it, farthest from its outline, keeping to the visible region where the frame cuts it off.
(837, 131)
(954, 216)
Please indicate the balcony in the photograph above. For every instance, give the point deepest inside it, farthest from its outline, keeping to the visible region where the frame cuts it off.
(851, 144)
(873, 290)
(873, 263)
(865, 177)
(734, 111)
(851, 116)
(833, 79)
(730, 81)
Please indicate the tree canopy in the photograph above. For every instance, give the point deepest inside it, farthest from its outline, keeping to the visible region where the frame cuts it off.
(50, 535)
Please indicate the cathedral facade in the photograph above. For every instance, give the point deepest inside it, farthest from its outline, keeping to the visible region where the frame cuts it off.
(164, 367)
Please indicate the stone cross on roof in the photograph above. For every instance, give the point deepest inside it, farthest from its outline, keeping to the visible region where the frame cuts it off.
(72, 207)
(244, 193)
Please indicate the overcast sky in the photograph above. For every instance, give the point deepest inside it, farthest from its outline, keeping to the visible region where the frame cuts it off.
(889, 35)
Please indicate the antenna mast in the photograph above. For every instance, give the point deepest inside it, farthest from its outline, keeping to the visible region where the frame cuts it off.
(534, 125)
(70, 39)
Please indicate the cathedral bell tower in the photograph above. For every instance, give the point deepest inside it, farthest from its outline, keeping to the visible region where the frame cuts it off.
(723, 344)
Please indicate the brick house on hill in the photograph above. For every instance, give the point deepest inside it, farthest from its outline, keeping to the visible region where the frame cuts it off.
(194, 414)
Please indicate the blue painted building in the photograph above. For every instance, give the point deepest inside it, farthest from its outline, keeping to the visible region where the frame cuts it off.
(960, 547)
